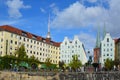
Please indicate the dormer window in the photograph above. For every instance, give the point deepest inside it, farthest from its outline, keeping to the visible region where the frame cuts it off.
(24, 34)
(34, 37)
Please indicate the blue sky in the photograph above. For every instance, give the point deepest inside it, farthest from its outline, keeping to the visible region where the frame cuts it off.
(67, 18)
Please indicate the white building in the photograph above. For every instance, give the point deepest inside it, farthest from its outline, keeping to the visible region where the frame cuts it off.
(107, 49)
(69, 48)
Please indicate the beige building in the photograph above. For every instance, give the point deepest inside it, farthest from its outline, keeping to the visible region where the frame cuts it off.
(11, 39)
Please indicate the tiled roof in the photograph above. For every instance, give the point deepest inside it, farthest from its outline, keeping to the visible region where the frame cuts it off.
(27, 34)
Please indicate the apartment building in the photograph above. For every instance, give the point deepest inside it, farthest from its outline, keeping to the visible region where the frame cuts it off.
(69, 48)
(107, 49)
(117, 49)
(12, 38)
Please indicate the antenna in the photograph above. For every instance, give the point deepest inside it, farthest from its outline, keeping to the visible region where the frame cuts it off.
(48, 34)
(49, 23)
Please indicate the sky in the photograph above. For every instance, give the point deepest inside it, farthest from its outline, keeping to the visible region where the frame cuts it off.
(67, 18)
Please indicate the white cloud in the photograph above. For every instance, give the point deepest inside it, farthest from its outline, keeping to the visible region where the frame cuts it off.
(14, 7)
(89, 42)
(55, 9)
(87, 39)
(92, 1)
(77, 15)
(42, 10)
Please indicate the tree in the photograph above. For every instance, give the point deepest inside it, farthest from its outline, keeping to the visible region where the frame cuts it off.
(75, 63)
(109, 64)
(48, 62)
(21, 53)
(61, 64)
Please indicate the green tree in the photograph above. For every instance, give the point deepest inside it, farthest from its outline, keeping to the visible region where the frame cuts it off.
(75, 63)
(21, 53)
(61, 64)
(109, 64)
(48, 62)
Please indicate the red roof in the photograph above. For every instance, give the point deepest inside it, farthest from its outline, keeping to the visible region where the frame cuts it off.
(27, 34)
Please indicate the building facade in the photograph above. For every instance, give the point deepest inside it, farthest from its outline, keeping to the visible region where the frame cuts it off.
(117, 49)
(12, 38)
(69, 48)
(107, 49)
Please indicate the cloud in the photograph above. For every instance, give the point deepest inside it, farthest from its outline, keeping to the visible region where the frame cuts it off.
(55, 9)
(42, 10)
(78, 15)
(14, 7)
(87, 39)
(92, 1)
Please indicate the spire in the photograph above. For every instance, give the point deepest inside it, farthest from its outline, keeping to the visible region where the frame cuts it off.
(48, 34)
(98, 39)
(104, 31)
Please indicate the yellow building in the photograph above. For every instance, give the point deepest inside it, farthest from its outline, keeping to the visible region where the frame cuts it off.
(11, 39)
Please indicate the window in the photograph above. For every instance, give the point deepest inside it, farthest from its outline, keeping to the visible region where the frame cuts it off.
(111, 44)
(34, 42)
(107, 54)
(28, 40)
(24, 39)
(65, 43)
(104, 49)
(20, 38)
(1, 46)
(40, 53)
(111, 49)
(104, 60)
(11, 35)
(104, 44)
(34, 52)
(107, 39)
(75, 42)
(15, 42)
(68, 46)
(1, 40)
(11, 41)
